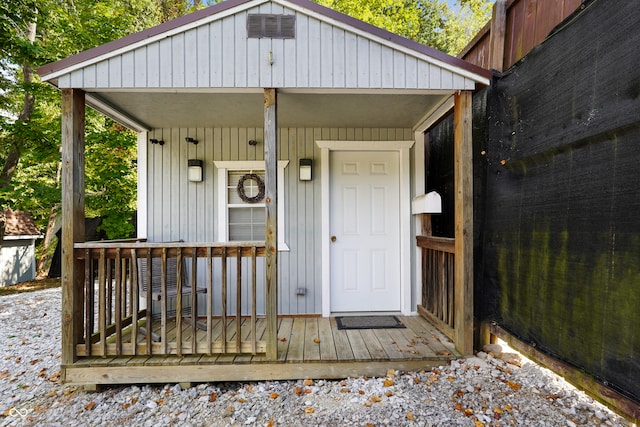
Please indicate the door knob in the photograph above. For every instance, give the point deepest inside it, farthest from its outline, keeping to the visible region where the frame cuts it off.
(333, 238)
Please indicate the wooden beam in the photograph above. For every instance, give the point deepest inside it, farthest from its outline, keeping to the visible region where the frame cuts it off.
(497, 35)
(606, 395)
(463, 184)
(271, 237)
(73, 114)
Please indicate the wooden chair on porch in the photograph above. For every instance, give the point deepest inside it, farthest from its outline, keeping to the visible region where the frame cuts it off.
(171, 270)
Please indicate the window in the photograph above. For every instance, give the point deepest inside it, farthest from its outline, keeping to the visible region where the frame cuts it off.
(240, 220)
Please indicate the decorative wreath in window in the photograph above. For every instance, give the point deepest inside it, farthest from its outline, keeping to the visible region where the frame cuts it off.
(241, 190)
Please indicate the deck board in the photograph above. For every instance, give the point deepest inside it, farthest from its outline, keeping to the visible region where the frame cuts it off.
(336, 354)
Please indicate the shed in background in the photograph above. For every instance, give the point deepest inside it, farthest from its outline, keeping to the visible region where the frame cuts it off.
(17, 253)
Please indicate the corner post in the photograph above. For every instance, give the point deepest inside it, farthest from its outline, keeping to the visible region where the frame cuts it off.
(497, 37)
(271, 238)
(73, 122)
(463, 182)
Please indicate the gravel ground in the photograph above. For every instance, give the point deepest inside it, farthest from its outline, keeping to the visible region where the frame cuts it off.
(478, 391)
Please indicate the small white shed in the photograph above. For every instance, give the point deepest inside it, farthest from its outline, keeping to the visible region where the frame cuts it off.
(17, 253)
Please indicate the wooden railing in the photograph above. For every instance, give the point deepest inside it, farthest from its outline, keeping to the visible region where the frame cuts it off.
(203, 298)
(438, 285)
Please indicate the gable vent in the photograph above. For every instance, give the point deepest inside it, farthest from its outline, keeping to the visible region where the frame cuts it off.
(271, 26)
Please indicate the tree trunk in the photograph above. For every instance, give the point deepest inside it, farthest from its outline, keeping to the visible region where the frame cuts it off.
(44, 263)
(11, 163)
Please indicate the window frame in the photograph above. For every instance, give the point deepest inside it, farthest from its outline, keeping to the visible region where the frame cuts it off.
(222, 207)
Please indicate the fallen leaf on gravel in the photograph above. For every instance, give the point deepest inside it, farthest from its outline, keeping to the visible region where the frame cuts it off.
(308, 382)
(458, 407)
(410, 416)
(388, 382)
(34, 361)
(134, 400)
(360, 391)
(54, 377)
(4, 374)
(389, 394)
(270, 424)
(416, 380)
(69, 391)
(298, 390)
(451, 379)
(309, 410)
(553, 396)
(89, 406)
(343, 383)
(6, 412)
(213, 397)
(513, 385)
(391, 373)
(478, 423)
(250, 388)
(274, 395)
(18, 359)
(375, 399)
(241, 400)
(497, 410)
(52, 394)
(468, 412)
(507, 407)
(367, 404)
(345, 390)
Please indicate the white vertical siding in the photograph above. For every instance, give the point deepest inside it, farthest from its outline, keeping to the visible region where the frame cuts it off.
(182, 210)
(219, 54)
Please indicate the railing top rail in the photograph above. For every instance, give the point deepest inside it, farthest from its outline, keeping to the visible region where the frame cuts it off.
(106, 244)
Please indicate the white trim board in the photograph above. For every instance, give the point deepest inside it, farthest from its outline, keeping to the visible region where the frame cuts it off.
(402, 147)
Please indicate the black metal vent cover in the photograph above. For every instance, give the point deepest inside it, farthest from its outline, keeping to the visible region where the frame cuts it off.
(262, 25)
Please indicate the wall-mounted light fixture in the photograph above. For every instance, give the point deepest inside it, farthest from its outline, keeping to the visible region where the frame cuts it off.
(253, 142)
(194, 170)
(155, 141)
(305, 169)
(191, 140)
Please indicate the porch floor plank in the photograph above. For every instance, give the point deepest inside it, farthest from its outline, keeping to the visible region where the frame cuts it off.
(338, 354)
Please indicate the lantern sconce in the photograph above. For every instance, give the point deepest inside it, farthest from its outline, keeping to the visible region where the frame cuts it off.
(305, 169)
(191, 140)
(194, 170)
(155, 141)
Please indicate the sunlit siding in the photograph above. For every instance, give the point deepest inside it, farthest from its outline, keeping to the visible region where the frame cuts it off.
(218, 54)
(181, 210)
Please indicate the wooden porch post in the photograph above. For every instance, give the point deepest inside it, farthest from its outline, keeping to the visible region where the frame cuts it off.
(463, 182)
(271, 238)
(73, 105)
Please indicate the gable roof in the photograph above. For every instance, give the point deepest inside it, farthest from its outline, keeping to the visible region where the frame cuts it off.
(225, 8)
(19, 224)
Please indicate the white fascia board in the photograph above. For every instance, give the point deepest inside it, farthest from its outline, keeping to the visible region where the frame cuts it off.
(426, 58)
(112, 112)
(434, 115)
(23, 237)
(157, 37)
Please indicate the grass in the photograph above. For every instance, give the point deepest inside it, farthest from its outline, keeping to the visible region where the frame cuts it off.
(36, 285)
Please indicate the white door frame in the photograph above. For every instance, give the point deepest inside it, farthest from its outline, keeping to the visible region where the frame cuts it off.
(402, 147)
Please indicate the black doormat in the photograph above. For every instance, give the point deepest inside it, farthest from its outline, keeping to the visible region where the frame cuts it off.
(368, 322)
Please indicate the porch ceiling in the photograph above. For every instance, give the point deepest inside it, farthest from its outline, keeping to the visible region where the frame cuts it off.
(193, 110)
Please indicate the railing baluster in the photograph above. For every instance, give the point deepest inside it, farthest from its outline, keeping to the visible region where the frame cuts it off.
(238, 299)
(88, 295)
(149, 314)
(224, 299)
(163, 291)
(179, 303)
(102, 319)
(119, 303)
(109, 297)
(209, 300)
(194, 299)
(254, 339)
(134, 300)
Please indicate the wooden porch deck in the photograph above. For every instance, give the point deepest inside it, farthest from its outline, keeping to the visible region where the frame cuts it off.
(308, 347)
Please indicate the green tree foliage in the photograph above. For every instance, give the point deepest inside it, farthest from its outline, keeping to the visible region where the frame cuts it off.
(430, 22)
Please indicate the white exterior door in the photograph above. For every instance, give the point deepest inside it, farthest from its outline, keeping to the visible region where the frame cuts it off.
(365, 231)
